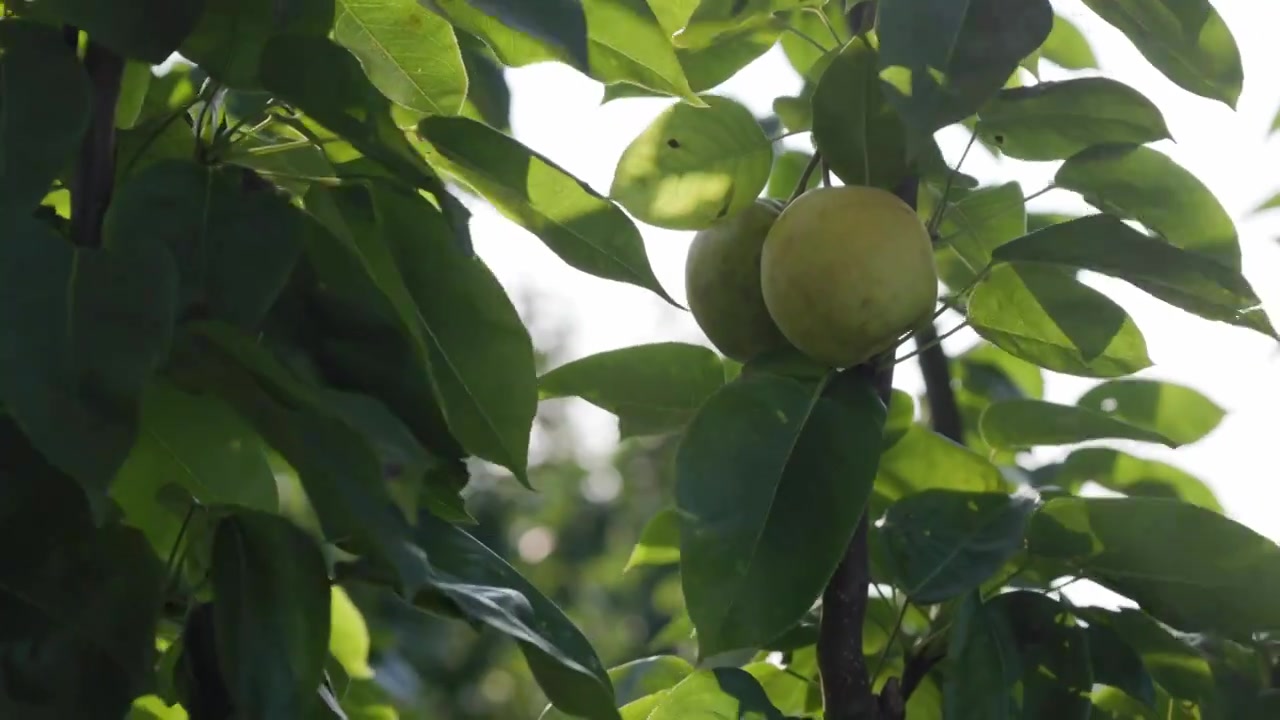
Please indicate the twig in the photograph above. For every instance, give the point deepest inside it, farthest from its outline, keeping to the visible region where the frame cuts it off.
(95, 169)
(822, 15)
(787, 134)
(804, 177)
(935, 366)
(1038, 193)
(936, 341)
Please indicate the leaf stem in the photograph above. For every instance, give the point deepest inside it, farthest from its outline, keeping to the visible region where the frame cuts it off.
(787, 134)
(934, 342)
(808, 38)
(826, 22)
(805, 176)
(1038, 193)
(936, 218)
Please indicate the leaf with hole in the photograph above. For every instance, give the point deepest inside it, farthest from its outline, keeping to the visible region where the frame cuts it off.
(1054, 120)
(858, 133)
(943, 60)
(693, 166)
(769, 470)
(944, 543)
(1221, 579)
(409, 53)
(1042, 314)
(1187, 280)
(1187, 41)
(654, 388)
(1148, 186)
(44, 111)
(585, 230)
(271, 612)
(1175, 411)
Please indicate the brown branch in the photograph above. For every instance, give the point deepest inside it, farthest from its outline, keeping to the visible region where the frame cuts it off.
(94, 175)
(935, 366)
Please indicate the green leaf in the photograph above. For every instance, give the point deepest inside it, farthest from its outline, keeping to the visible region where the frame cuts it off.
(1054, 120)
(1221, 579)
(1042, 314)
(476, 349)
(1175, 411)
(785, 176)
(637, 681)
(586, 230)
(659, 542)
(408, 52)
(134, 83)
(654, 388)
(488, 590)
(716, 694)
(707, 67)
(235, 238)
(349, 639)
(338, 469)
(44, 111)
(488, 94)
(987, 370)
(560, 23)
(1026, 423)
(626, 43)
(231, 35)
(1146, 185)
(770, 469)
(1179, 668)
(984, 661)
(1187, 41)
(148, 30)
(1105, 244)
(923, 460)
(1067, 47)
(945, 543)
(943, 60)
(982, 221)
(787, 690)
(808, 59)
(693, 166)
(81, 331)
(858, 133)
(1054, 651)
(271, 613)
(1116, 663)
(1270, 203)
(1134, 476)
(199, 444)
(713, 21)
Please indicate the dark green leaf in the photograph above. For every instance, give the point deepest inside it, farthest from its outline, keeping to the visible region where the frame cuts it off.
(409, 53)
(1172, 662)
(901, 415)
(716, 694)
(586, 230)
(338, 469)
(653, 388)
(476, 349)
(490, 591)
(944, 543)
(1042, 314)
(1056, 675)
(148, 30)
(858, 133)
(787, 690)
(1027, 423)
(1186, 40)
(1117, 664)
(923, 460)
(78, 604)
(1067, 47)
(1135, 476)
(1054, 120)
(770, 469)
(488, 95)
(199, 444)
(235, 238)
(1105, 244)
(1221, 579)
(1176, 411)
(693, 166)
(81, 331)
(659, 542)
(560, 23)
(984, 663)
(1146, 185)
(271, 613)
(44, 110)
(230, 37)
(943, 60)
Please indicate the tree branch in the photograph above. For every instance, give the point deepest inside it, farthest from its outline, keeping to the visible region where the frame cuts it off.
(94, 174)
(935, 366)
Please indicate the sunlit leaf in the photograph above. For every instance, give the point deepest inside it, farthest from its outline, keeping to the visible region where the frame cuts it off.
(693, 166)
(923, 460)
(1175, 411)
(1026, 423)
(858, 133)
(769, 470)
(1013, 377)
(982, 221)
(1042, 314)
(659, 542)
(1146, 185)
(806, 52)
(1054, 120)
(349, 640)
(708, 67)
(586, 230)
(652, 388)
(788, 167)
(1067, 46)
(1131, 475)
(714, 694)
(1187, 41)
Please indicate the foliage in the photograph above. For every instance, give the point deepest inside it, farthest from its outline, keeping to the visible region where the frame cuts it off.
(250, 365)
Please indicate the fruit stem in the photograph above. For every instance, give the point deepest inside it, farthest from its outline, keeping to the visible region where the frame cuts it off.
(805, 176)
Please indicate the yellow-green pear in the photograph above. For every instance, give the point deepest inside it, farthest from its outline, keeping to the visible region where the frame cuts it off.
(845, 271)
(722, 283)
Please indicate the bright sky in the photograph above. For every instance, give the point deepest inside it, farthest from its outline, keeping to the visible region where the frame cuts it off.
(557, 112)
